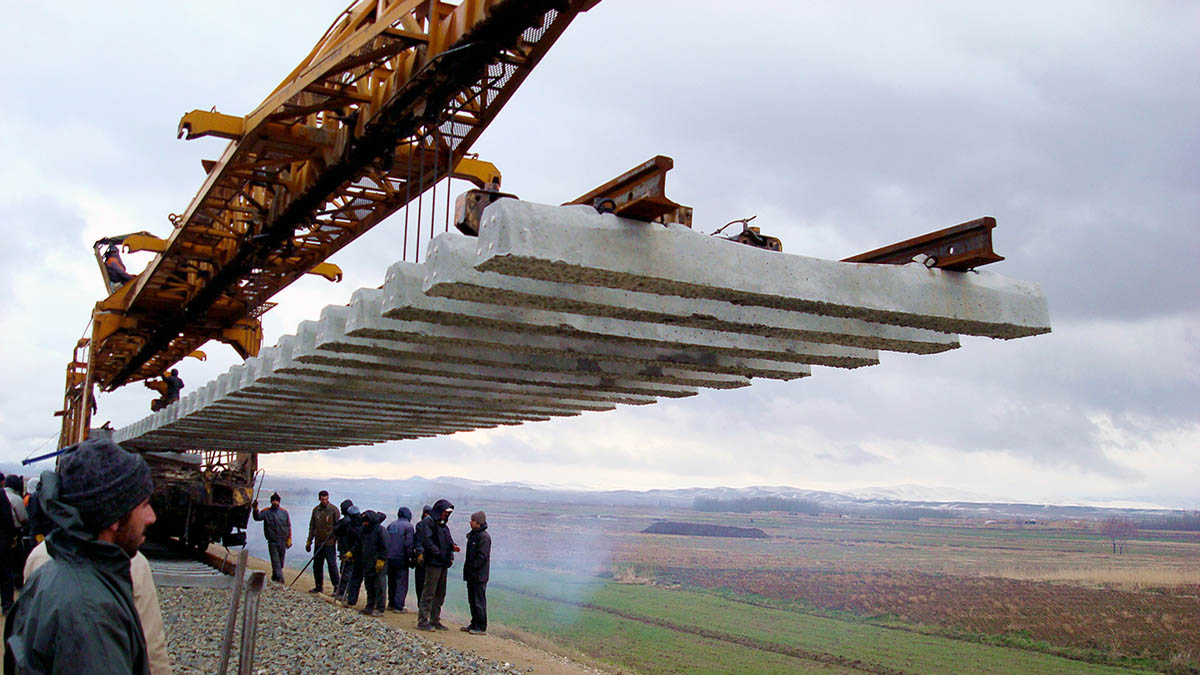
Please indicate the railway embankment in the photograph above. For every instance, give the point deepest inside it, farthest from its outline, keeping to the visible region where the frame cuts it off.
(301, 632)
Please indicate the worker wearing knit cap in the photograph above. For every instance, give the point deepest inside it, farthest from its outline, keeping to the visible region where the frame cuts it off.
(476, 566)
(277, 528)
(76, 613)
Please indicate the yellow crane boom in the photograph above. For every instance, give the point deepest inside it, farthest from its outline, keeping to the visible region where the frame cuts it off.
(387, 103)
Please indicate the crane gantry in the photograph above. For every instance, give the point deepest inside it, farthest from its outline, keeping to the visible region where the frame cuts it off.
(387, 103)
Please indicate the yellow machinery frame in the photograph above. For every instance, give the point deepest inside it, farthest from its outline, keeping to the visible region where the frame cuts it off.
(387, 103)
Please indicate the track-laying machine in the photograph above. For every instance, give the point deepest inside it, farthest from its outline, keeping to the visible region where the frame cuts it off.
(384, 107)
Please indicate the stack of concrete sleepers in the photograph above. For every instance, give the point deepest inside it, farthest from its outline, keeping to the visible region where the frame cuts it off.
(556, 311)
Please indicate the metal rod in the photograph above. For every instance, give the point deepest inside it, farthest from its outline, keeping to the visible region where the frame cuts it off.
(407, 200)
(420, 199)
(231, 620)
(449, 175)
(433, 199)
(311, 558)
(250, 623)
(56, 453)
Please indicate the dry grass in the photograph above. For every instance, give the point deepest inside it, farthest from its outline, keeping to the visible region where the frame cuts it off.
(626, 574)
(1125, 578)
(578, 660)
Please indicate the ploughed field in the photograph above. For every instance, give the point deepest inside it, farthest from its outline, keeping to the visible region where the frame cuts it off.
(1163, 625)
(843, 594)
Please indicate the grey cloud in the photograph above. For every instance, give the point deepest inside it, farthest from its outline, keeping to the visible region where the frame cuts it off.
(851, 455)
(844, 129)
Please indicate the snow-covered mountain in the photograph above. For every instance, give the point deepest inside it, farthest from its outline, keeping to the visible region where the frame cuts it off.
(464, 491)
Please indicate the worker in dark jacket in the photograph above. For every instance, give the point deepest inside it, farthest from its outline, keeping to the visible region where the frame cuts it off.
(277, 528)
(76, 613)
(476, 565)
(320, 531)
(174, 386)
(400, 553)
(115, 267)
(9, 557)
(419, 570)
(435, 551)
(371, 563)
(346, 533)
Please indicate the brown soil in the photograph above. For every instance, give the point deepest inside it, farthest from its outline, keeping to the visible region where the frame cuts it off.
(1156, 625)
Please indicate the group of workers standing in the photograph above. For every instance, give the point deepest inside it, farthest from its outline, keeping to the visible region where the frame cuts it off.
(23, 525)
(89, 604)
(359, 550)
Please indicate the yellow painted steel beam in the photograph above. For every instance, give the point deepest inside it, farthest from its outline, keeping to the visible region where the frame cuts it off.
(245, 337)
(201, 123)
(328, 270)
(276, 204)
(144, 241)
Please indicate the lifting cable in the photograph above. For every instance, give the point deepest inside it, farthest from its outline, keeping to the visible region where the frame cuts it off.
(407, 199)
(420, 197)
(433, 199)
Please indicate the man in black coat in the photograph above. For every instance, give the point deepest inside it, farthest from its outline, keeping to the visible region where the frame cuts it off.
(371, 564)
(418, 569)
(475, 572)
(9, 559)
(435, 552)
(346, 533)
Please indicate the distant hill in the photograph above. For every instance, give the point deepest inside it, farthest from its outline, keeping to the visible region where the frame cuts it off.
(385, 494)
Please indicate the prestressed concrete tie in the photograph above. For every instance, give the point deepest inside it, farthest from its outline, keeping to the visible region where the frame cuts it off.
(553, 312)
(449, 273)
(404, 300)
(336, 349)
(574, 244)
(364, 320)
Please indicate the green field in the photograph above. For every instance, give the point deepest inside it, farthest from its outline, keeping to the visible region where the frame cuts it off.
(660, 630)
(828, 594)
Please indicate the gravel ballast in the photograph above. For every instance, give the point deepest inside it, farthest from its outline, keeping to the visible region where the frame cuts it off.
(299, 633)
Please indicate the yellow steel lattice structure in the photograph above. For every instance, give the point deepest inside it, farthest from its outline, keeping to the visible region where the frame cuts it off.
(389, 101)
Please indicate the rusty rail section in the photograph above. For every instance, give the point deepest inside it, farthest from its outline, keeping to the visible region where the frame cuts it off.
(639, 193)
(959, 248)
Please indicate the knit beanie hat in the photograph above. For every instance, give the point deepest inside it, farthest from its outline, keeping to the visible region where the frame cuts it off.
(103, 482)
(479, 517)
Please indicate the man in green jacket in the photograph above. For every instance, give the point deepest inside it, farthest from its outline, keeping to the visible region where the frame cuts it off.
(76, 613)
(320, 532)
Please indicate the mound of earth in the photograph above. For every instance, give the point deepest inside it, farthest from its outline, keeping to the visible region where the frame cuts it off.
(705, 530)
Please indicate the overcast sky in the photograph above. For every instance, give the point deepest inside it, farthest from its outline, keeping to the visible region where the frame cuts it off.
(843, 126)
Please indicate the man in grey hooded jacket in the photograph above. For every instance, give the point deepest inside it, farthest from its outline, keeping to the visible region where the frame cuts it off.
(401, 552)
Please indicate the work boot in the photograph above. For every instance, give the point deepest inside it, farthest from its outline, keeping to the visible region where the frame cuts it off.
(424, 626)
(477, 631)
(439, 626)
(315, 590)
